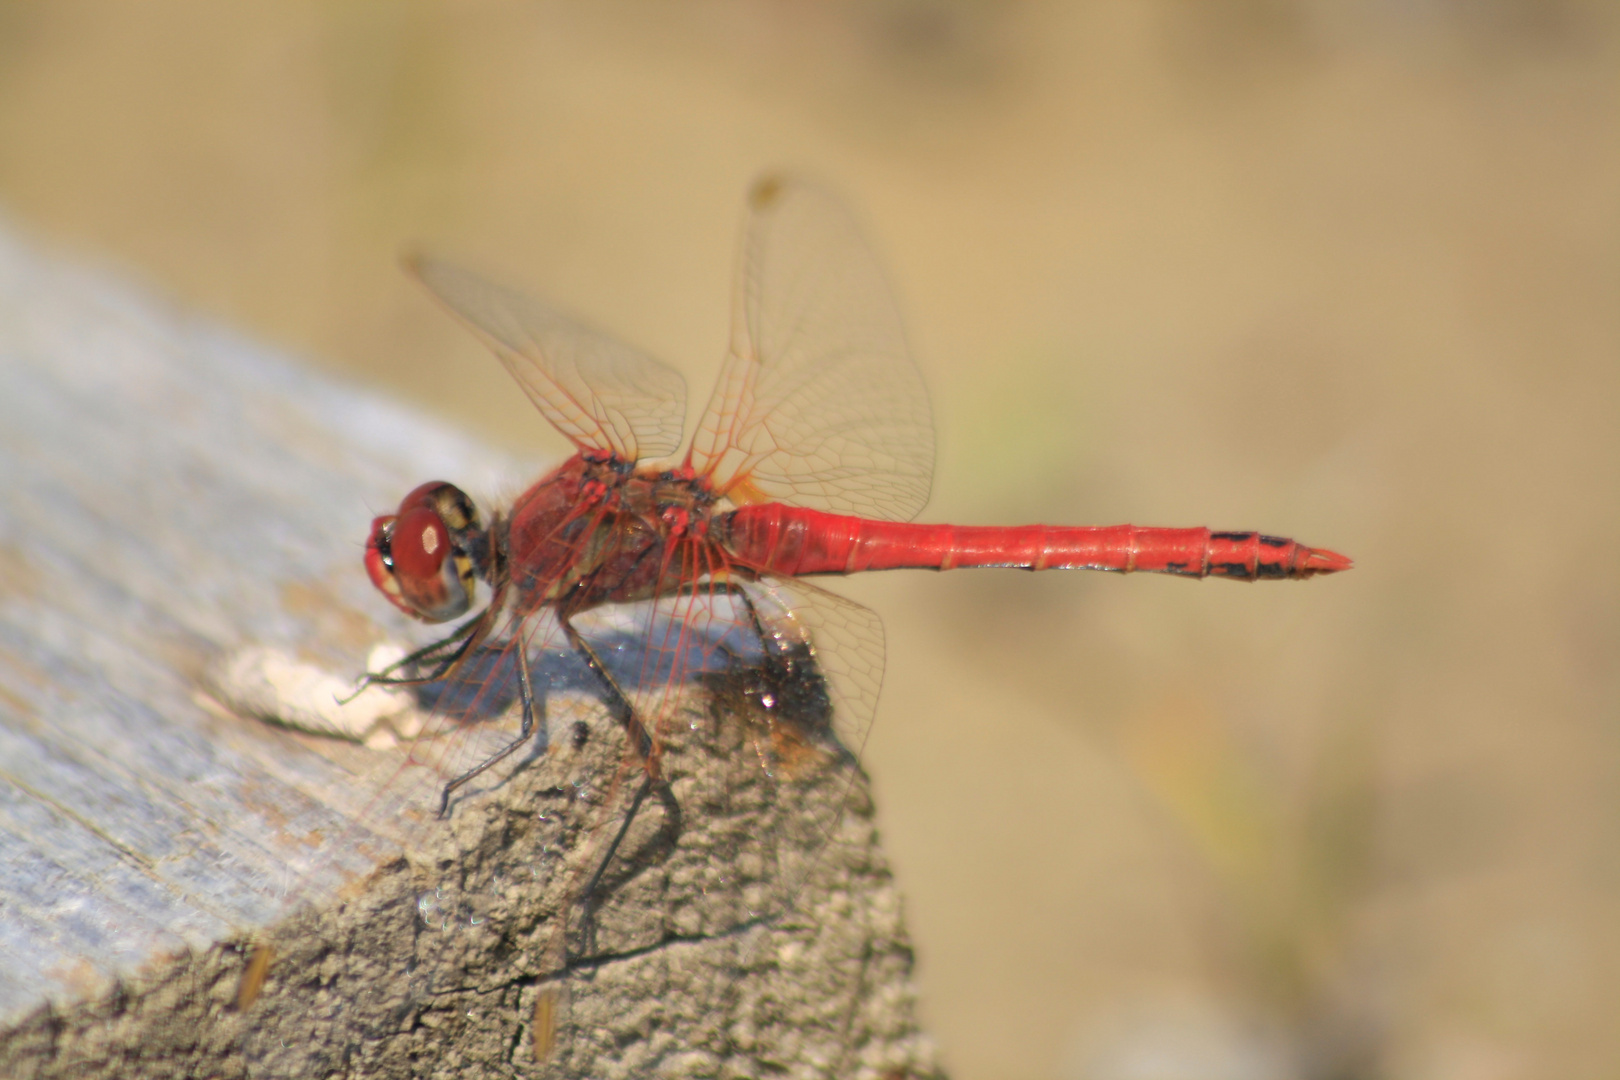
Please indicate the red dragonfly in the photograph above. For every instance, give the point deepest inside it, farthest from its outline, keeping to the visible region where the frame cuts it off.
(813, 454)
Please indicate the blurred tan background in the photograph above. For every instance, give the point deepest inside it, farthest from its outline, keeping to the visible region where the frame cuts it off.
(1347, 272)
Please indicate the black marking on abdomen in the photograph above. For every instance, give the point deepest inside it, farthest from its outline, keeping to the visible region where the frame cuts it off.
(1230, 569)
(1233, 537)
(1271, 570)
(1275, 541)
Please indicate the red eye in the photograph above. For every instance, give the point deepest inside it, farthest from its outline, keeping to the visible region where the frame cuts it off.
(419, 558)
(380, 559)
(420, 544)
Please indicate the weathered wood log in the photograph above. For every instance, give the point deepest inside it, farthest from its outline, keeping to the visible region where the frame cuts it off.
(179, 546)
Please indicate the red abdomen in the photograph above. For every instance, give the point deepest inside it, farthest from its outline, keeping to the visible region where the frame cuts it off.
(791, 540)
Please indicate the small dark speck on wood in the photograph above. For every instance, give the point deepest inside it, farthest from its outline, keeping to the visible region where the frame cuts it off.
(177, 498)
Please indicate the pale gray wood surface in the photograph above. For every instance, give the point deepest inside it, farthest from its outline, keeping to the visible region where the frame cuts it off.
(171, 495)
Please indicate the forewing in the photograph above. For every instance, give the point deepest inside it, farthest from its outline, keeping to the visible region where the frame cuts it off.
(819, 402)
(601, 393)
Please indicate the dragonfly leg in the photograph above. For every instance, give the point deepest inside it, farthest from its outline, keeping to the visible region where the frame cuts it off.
(437, 653)
(526, 693)
(617, 703)
(640, 738)
(789, 689)
(771, 652)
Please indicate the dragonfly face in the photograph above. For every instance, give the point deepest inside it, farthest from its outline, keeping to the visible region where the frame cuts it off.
(423, 558)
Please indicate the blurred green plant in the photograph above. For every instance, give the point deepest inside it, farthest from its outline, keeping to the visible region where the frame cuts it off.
(1293, 866)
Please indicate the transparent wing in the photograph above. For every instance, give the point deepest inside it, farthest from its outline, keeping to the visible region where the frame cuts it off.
(808, 661)
(819, 402)
(846, 641)
(602, 394)
(789, 677)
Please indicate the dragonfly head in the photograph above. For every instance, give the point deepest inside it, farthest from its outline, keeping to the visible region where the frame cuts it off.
(424, 557)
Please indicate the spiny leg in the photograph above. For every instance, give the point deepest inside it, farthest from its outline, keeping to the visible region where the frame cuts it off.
(526, 693)
(770, 658)
(616, 702)
(465, 634)
(640, 738)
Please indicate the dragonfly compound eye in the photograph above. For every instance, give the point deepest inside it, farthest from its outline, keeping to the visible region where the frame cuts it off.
(418, 558)
(380, 560)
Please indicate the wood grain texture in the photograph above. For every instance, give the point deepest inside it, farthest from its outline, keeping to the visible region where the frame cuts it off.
(175, 496)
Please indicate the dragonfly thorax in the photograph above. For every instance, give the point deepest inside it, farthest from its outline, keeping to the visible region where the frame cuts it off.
(595, 531)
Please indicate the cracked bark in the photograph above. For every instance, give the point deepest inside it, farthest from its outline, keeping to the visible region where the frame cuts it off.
(177, 498)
